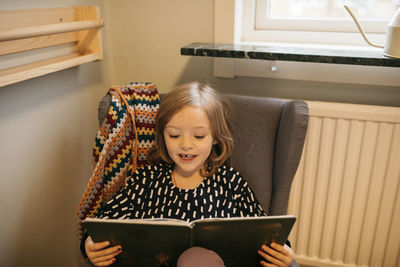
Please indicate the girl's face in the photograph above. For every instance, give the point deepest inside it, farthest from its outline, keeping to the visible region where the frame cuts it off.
(189, 140)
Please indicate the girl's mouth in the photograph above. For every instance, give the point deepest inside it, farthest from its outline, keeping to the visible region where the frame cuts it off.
(187, 157)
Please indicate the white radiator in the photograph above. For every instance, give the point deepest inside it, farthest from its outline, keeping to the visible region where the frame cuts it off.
(346, 193)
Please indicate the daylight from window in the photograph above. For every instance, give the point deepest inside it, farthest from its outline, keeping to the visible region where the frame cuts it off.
(331, 9)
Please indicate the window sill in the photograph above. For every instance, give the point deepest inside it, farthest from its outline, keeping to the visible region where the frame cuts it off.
(352, 56)
(315, 63)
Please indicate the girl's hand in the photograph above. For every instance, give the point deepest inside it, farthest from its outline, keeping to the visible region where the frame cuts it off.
(277, 255)
(99, 253)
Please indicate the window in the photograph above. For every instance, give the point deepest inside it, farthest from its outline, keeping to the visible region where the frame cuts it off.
(315, 21)
(235, 23)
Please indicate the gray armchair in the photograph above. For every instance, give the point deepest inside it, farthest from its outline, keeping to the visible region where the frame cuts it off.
(269, 138)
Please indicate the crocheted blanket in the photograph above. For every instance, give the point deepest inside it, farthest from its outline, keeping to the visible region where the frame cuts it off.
(121, 144)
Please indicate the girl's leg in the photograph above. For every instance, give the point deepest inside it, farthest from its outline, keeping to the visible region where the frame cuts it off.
(199, 257)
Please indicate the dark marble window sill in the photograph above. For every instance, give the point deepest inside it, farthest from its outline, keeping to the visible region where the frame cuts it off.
(299, 54)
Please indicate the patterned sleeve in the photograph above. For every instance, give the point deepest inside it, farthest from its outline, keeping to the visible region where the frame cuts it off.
(123, 204)
(245, 201)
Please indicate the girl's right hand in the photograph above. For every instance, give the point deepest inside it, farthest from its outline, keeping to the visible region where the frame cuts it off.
(99, 253)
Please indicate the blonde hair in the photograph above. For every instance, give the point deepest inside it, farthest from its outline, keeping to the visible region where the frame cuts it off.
(219, 113)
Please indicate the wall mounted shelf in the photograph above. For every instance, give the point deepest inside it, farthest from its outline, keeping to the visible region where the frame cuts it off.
(35, 29)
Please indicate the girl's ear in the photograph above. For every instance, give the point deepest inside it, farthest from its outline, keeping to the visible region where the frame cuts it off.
(215, 141)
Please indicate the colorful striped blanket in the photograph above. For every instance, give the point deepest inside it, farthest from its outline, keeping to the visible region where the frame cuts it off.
(120, 146)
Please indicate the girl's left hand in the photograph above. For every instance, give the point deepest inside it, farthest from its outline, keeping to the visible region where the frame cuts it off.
(276, 255)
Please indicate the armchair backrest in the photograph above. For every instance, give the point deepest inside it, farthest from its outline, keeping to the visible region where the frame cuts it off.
(269, 139)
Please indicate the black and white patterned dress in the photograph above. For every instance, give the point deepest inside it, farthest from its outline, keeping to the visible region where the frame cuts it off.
(150, 193)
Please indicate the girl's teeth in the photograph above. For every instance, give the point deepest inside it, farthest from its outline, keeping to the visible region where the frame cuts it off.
(187, 156)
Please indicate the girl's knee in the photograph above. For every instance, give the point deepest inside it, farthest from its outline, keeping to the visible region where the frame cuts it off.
(199, 257)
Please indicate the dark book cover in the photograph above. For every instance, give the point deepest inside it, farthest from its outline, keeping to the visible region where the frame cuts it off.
(159, 242)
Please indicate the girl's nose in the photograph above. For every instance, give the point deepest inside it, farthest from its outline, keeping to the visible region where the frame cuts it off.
(186, 143)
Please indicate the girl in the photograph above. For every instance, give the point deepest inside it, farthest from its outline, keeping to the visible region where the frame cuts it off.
(189, 178)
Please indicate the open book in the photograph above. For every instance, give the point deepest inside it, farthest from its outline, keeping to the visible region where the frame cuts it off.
(159, 242)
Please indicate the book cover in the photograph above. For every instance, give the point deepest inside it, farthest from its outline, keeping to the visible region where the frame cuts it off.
(159, 242)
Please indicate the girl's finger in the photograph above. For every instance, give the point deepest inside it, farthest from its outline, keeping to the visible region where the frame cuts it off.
(106, 259)
(283, 254)
(279, 248)
(98, 246)
(105, 252)
(106, 263)
(275, 254)
(265, 264)
(270, 258)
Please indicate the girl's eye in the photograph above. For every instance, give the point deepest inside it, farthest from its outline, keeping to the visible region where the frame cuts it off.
(199, 136)
(173, 136)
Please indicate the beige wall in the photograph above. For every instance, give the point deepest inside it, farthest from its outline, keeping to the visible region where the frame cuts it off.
(145, 41)
(47, 128)
(48, 123)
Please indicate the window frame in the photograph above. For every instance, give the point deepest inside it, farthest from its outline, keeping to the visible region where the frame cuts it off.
(228, 28)
(323, 25)
(324, 32)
